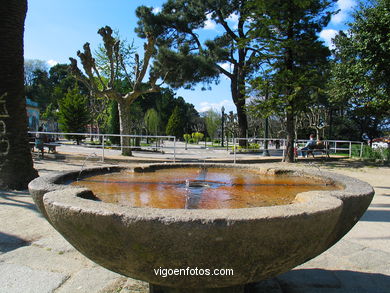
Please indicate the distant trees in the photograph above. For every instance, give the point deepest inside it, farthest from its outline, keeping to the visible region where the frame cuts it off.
(152, 121)
(175, 124)
(74, 115)
(213, 121)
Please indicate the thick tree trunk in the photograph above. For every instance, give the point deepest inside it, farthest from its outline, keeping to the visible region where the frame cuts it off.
(125, 126)
(16, 166)
(237, 86)
(289, 153)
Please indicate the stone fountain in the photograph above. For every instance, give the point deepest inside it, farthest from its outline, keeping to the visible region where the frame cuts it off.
(256, 243)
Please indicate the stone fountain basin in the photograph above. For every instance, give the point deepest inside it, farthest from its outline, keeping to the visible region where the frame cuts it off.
(257, 243)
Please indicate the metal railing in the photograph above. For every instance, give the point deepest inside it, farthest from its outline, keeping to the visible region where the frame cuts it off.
(275, 146)
(104, 145)
(334, 146)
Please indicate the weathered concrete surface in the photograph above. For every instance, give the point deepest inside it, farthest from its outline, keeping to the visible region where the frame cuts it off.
(271, 240)
(21, 224)
(16, 278)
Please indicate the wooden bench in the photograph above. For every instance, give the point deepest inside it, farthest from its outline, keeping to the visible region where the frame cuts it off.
(323, 151)
(51, 146)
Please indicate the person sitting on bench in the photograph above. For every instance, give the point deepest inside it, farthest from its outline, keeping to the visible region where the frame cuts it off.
(40, 139)
(311, 144)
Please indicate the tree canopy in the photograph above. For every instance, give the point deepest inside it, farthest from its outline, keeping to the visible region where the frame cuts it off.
(189, 59)
(360, 74)
(287, 32)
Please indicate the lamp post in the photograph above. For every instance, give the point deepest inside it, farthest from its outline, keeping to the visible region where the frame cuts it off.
(222, 124)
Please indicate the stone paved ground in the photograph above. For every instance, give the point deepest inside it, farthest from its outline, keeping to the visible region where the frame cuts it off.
(35, 258)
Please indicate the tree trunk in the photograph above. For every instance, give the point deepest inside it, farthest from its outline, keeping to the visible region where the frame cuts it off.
(236, 86)
(289, 153)
(125, 126)
(16, 165)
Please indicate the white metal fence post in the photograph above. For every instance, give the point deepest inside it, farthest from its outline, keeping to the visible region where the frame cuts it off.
(350, 149)
(174, 149)
(103, 148)
(361, 149)
(234, 147)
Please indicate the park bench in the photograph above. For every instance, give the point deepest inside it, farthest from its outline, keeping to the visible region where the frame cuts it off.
(323, 151)
(51, 146)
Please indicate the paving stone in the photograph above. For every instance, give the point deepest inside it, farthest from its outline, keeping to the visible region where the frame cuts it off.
(89, 280)
(43, 259)
(344, 248)
(21, 279)
(308, 278)
(55, 243)
(327, 261)
(135, 286)
(369, 258)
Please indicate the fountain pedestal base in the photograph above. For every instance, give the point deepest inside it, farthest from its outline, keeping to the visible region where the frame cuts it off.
(163, 289)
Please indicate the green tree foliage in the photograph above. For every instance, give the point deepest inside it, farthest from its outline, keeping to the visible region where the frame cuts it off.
(47, 87)
(152, 121)
(361, 73)
(30, 66)
(197, 136)
(175, 124)
(190, 60)
(213, 121)
(287, 31)
(73, 114)
(113, 122)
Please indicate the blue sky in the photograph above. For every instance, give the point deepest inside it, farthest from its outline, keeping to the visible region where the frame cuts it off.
(56, 29)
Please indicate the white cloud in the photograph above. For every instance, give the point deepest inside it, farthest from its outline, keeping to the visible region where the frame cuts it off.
(205, 106)
(346, 4)
(52, 63)
(327, 35)
(209, 24)
(156, 10)
(233, 18)
(345, 7)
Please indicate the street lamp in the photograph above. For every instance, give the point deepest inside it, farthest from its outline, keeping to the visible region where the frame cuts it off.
(222, 124)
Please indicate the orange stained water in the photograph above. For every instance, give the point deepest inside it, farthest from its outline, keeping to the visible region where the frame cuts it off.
(199, 188)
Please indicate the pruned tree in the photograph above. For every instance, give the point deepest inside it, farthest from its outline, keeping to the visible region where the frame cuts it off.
(105, 81)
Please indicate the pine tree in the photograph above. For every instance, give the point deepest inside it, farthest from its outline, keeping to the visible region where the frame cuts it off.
(175, 124)
(73, 114)
(287, 31)
(190, 60)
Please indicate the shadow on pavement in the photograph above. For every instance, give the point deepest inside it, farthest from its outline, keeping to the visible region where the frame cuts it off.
(14, 198)
(9, 242)
(376, 216)
(319, 280)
